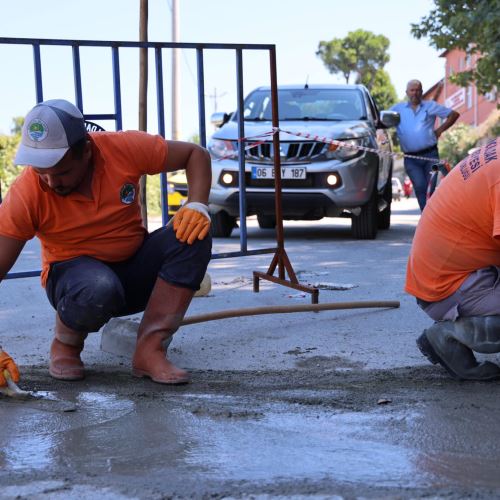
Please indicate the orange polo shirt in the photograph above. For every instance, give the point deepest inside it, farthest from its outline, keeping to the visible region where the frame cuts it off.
(459, 231)
(107, 227)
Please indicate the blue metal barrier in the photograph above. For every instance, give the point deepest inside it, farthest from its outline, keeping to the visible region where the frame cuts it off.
(116, 115)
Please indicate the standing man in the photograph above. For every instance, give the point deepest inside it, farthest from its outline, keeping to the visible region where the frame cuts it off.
(418, 137)
(78, 194)
(454, 267)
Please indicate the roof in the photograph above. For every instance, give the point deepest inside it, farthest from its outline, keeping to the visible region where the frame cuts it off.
(434, 91)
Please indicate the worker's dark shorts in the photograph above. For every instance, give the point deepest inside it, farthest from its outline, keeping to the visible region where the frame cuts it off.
(478, 295)
(87, 292)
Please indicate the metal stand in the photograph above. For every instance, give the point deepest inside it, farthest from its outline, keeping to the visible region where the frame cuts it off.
(280, 259)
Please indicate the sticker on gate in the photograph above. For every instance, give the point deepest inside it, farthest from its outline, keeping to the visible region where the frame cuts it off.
(286, 172)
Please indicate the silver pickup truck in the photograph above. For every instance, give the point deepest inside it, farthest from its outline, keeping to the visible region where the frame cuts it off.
(318, 179)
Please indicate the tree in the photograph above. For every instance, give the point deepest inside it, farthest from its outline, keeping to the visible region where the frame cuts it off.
(8, 148)
(469, 25)
(382, 89)
(361, 53)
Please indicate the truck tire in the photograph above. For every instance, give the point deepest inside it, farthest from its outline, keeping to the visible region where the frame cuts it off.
(365, 225)
(222, 224)
(266, 221)
(384, 217)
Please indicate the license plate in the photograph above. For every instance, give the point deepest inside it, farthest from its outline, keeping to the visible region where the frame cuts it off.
(286, 172)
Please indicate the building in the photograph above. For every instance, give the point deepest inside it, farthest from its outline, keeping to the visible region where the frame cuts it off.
(473, 107)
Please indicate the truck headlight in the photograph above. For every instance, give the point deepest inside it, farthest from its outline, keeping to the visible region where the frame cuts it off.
(347, 150)
(221, 149)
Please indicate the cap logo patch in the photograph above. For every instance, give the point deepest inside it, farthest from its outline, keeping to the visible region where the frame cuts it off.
(37, 130)
(127, 194)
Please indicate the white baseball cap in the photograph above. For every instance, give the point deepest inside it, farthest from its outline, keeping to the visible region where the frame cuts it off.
(49, 130)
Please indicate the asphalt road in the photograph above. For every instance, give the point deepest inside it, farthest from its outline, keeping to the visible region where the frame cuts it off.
(336, 404)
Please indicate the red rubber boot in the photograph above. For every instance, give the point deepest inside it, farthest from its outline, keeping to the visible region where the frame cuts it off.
(164, 312)
(65, 362)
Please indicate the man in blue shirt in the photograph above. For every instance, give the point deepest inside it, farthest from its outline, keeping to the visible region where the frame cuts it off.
(418, 136)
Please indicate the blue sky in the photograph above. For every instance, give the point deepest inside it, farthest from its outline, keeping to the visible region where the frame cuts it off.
(294, 26)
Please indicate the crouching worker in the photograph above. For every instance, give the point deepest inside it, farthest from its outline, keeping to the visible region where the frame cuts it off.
(79, 195)
(454, 267)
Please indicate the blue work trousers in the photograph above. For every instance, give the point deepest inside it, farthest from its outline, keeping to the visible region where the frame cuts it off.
(87, 292)
(419, 172)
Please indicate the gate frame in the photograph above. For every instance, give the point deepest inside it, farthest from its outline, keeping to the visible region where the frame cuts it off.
(280, 260)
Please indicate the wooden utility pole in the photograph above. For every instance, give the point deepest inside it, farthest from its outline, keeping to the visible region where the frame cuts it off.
(143, 98)
(175, 73)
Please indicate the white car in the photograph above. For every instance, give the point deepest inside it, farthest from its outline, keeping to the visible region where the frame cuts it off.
(397, 189)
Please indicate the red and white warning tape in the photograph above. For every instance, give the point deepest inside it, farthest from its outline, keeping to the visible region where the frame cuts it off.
(332, 142)
(344, 144)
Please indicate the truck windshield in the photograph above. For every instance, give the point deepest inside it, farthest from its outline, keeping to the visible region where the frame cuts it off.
(306, 104)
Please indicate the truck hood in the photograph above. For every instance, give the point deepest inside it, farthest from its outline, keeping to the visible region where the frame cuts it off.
(330, 130)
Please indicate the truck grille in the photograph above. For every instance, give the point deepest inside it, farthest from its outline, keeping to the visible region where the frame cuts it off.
(289, 151)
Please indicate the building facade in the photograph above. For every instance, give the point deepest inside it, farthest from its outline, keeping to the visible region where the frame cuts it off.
(473, 107)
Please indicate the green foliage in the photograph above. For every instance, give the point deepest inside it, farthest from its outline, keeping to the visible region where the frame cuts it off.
(361, 53)
(470, 25)
(456, 142)
(153, 194)
(383, 90)
(8, 148)
(194, 138)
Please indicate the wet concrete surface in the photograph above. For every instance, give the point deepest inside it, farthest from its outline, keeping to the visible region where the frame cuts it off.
(325, 405)
(405, 432)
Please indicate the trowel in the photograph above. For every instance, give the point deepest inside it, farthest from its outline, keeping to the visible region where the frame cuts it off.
(14, 394)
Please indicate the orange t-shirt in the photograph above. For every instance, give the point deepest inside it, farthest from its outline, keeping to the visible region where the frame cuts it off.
(459, 231)
(107, 227)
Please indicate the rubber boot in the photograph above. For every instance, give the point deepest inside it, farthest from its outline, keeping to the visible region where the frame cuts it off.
(65, 362)
(450, 343)
(164, 312)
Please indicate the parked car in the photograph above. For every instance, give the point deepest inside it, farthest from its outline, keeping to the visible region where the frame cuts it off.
(397, 189)
(318, 180)
(177, 190)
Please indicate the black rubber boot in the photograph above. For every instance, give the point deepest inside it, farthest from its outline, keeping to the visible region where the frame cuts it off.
(450, 343)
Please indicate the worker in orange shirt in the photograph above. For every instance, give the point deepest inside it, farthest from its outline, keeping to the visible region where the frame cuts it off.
(454, 267)
(78, 193)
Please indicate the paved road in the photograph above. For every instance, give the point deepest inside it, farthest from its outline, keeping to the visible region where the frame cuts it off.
(306, 404)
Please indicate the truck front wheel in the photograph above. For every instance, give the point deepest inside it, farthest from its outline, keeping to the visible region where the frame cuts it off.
(222, 224)
(365, 225)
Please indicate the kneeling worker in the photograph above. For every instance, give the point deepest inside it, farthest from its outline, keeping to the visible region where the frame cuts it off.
(454, 267)
(79, 195)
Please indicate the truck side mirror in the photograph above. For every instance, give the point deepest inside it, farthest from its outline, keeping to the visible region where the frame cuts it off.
(220, 119)
(389, 118)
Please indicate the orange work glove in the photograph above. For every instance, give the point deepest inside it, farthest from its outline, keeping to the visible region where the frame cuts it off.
(191, 222)
(7, 363)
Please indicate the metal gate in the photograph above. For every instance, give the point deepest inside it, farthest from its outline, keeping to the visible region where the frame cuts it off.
(280, 260)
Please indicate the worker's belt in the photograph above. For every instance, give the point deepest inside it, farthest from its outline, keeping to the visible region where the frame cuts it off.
(422, 151)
